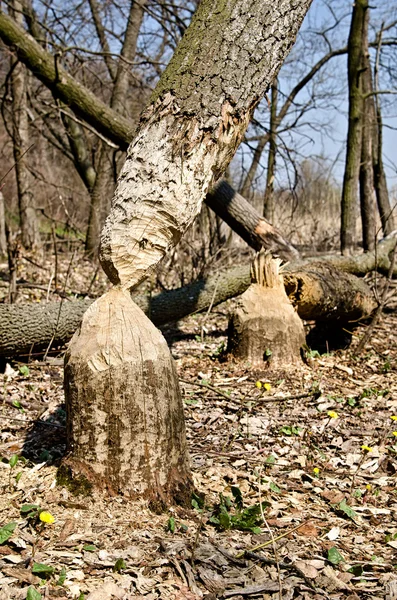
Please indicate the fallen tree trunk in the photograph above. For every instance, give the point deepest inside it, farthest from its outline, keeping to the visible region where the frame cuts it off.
(27, 328)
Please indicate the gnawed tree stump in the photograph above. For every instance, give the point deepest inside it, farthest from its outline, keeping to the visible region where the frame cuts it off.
(265, 326)
(125, 415)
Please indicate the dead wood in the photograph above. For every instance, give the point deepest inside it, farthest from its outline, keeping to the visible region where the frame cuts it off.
(28, 328)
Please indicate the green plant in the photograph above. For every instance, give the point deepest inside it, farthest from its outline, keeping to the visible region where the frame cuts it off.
(290, 430)
(230, 513)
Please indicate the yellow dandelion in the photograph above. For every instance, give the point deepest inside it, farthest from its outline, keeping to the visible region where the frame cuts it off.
(332, 414)
(267, 387)
(258, 384)
(316, 470)
(366, 448)
(394, 433)
(368, 487)
(46, 517)
(393, 417)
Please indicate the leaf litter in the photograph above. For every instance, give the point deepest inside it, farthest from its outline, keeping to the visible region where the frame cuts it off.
(295, 469)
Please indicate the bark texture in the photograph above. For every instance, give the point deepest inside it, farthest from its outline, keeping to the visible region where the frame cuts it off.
(193, 126)
(321, 292)
(264, 326)
(367, 190)
(125, 425)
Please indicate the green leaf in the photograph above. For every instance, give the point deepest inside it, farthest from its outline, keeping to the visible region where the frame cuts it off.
(270, 460)
(42, 569)
(191, 401)
(6, 531)
(119, 565)
(171, 525)
(90, 548)
(62, 577)
(238, 497)
(13, 460)
(224, 520)
(344, 507)
(274, 487)
(198, 500)
(334, 556)
(33, 594)
(18, 476)
(357, 570)
(24, 370)
(17, 404)
(25, 508)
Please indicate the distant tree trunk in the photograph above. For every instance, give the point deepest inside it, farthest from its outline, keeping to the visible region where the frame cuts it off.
(3, 237)
(387, 215)
(125, 421)
(268, 202)
(246, 188)
(20, 132)
(354, 135)
(367, 191)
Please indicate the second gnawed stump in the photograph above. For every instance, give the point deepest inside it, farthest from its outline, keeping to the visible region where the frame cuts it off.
(265, 327)
(125, 421)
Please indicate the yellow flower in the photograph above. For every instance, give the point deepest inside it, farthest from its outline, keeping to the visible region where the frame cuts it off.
(267, 386)
(394, 417)
(258, 384)
(332, 414)
(366, 448)
(368, 487)
(46, 517)
(316, 470)
(394, 433)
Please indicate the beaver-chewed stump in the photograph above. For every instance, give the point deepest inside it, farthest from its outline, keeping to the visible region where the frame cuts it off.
(265, 326)
(125, 422)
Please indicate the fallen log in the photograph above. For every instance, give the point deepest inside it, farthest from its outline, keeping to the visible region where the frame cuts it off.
(26, 328)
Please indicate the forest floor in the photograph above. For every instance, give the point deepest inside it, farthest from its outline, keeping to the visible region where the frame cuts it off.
(297, 466)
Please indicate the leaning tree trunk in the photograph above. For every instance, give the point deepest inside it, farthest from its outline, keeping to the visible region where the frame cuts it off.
(187, 136)
(353, 145)
(268, 201)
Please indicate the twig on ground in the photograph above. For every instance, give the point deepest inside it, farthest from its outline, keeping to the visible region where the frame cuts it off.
(279, 537)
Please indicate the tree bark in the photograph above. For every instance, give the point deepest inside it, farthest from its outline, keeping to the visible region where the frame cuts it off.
(20, 137)
(354, 135)
(367, 190)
